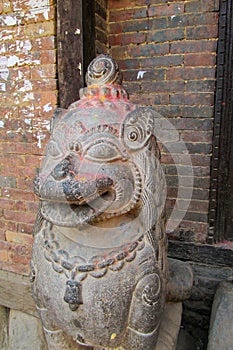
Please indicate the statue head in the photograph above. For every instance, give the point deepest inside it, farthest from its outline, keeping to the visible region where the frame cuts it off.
(101, 160)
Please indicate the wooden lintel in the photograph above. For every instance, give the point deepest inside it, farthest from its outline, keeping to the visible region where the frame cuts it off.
(201, 253)
(15, 292)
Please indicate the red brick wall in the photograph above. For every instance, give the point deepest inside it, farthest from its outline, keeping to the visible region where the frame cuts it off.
(27, 98)
(174, 44)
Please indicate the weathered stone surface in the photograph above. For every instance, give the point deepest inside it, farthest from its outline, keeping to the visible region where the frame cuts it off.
(25, 332)
(169, 327)
(221, 323)
(3, 328)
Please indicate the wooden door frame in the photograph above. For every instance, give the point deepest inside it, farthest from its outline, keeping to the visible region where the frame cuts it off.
(221, 190)
(75, 46)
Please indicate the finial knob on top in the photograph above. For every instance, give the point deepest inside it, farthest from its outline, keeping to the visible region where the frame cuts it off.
(103, 70)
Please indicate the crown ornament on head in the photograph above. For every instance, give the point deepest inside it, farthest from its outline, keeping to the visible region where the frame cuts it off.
(103, 70)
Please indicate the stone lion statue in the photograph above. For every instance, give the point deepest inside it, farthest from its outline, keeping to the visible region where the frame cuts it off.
(99, 266)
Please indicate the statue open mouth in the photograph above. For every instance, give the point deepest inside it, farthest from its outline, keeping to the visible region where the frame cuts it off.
(71, 214)
(75, 202)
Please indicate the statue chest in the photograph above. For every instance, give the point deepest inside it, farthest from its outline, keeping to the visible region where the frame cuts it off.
(87, 295)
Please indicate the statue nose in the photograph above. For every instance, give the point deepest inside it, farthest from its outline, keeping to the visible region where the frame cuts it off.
(61, 170)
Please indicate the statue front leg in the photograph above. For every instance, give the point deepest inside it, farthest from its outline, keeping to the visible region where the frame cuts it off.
(145, 313)
(56, 338)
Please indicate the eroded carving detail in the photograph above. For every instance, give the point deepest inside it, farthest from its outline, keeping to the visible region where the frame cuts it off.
(100, 249)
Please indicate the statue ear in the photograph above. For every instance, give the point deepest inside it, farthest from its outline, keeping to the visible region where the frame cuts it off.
(57, 115)
(137, 128)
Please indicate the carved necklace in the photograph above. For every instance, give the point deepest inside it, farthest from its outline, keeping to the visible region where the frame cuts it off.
(77, 268)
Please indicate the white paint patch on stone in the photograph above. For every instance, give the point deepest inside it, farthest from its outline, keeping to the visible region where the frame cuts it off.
(4, 73)
(27, 86)
(27, 121)
(39, 7)
(12, 61)
(47, 107)
(9, 20)
(40, 137)
(2, 87)
(141, 74)
(2, 124)
(28, 97)
(3, 48)
(23, 45)
(3, 61)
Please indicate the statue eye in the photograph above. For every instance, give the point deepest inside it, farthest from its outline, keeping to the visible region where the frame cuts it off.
(132, 136)
(53, 149)
(102, 151)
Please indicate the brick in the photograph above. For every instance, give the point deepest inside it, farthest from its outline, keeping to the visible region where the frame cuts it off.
(7, 6)
(157, 23)
(193, 148)
(158, 74)
(201, 148)
(129, 26)
(43, 43)
(169, 87)
(100, 23)
(193, 98)
(186, 111)
(199, 182)
(112, 4)
(3, 255)
(202, 6)
(45, 71)
(166, 9)
(190, 124)
(197, 136)
(187, 20)
(194, 46)
(41, 29)
(164, 61)
(148, 50)
(166, 35)
(191, 73)
(124, 15)
(186, 170)
(202, 32)
(7, 181)
(199, 59)
(200, 86)
(19, 216)
(17, 194)
(101, 35)
(150, 99)
(124, 39)
(197, 194)
(19, 238)
(25, 228)
(198, 217)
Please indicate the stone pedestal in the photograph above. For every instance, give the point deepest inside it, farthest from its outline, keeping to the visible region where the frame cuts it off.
(221, 322)
(25, 332)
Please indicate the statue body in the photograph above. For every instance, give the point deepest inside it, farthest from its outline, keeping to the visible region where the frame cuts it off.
(99, 256)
